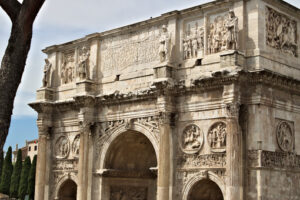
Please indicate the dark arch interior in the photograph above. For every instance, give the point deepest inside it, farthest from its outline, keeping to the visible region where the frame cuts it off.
(131, 151)
(68, 190)
(205, 190)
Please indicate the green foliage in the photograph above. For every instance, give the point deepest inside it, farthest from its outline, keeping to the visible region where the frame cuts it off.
(24, 178)
(31, 179)
(1, 163)
(6, 173)
(15, 178)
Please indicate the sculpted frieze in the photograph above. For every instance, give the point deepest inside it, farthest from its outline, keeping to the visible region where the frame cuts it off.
(64, 164)
(131, 49)
(62, 147)
(193, 40)
(270, 159)
(128, 192)
(281, 32)
(203, 161)
(192, 139)
(223, 33)
(217, 137)
(285, 136)
(75, 145)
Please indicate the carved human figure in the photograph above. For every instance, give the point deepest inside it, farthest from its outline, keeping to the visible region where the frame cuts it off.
(62, 147)
(185, 49)
(285, 137)
(75, 145)
(192, 139)
(217, 136)
(67, 70)
(164, 41)
(231, 25)
(83, 63)
(194, 46)
(47, 73)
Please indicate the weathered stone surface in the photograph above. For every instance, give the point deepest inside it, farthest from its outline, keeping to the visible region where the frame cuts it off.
(195, 104)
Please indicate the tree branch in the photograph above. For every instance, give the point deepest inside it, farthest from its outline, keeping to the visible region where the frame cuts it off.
(11, 7)
(30, 9)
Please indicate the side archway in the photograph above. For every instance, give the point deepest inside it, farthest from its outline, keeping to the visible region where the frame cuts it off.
(66, 188)
(204, 187)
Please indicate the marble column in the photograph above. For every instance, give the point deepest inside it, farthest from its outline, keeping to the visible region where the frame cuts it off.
(164, 159)
(41, 165)
(83, 161)
(234, 183)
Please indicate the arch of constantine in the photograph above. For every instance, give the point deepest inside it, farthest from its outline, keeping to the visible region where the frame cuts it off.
(197, 104)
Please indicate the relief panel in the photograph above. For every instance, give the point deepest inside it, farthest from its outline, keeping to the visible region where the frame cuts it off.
(68, 67)
(217, 137)
(281, 32)
(285, 136)
(128, 192)
(191, 139)
(62, 147)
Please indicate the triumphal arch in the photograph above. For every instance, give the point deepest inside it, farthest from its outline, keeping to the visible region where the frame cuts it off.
(197, 104)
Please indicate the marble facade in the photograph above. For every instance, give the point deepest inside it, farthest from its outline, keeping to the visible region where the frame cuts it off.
(202, 103)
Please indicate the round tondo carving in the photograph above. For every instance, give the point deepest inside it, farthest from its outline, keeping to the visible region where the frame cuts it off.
(75, 145)
(192, 139)
(217, 137)
(62, 147)
(285, 136)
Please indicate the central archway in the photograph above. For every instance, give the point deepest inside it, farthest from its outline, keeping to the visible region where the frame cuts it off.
(68, 190)
(205, 190)
(130, 165)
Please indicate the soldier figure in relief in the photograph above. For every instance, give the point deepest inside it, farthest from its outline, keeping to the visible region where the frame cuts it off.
(232, 31)
(47, 73)
(164, 44)
(83, 64)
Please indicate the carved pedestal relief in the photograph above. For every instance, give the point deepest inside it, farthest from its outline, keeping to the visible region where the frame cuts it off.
(217, 137)
(223, 33)
(193, 40)
(75, 146)
(62, 147)
(68, 67)
(285, 136)
(281, 32)
(191, 139)
(128, 192)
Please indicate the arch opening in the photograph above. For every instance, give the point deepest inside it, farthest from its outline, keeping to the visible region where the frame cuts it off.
(131, 168)
(68, 190)
(205, 190)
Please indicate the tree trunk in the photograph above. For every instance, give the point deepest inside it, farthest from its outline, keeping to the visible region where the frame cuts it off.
(14, 59)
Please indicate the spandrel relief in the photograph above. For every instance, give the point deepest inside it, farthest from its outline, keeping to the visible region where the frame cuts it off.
(223, 33)
(193, 40)
(68, 67)
(285, 136)
(217, 137)
(281, 32)
(192, 139)
(62, 147)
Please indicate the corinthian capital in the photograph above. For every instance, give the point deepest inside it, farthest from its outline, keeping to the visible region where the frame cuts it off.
(85, 127)
(232, 109)
(166, 118)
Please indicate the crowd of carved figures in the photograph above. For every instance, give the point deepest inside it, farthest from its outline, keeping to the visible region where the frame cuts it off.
(128, 193)
(67, 68)
(223, 33)
(281, 32)
(193, 42)
(217, 136)
(62, 147)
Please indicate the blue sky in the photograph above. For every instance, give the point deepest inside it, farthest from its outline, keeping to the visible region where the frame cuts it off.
(60, 21)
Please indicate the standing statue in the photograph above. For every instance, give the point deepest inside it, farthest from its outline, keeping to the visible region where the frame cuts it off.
(231, 24)
(47, 73)
(164, 41)
(83, 64)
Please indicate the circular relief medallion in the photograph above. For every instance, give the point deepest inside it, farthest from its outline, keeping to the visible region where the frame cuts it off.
(75, 145)
(62, 147)
(285, 136)
(191, 139)
(217, 137)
